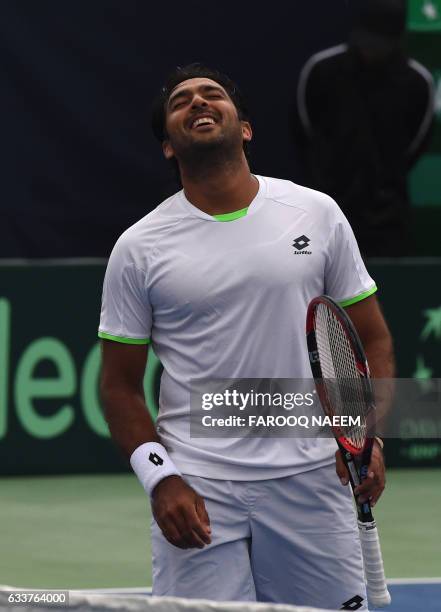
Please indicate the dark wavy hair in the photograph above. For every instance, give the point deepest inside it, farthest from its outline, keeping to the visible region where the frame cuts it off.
(193, 71)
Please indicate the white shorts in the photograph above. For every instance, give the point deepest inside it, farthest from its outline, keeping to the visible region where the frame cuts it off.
(287, 540)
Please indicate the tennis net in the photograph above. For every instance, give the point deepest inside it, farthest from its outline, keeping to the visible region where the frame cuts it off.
(79, 601)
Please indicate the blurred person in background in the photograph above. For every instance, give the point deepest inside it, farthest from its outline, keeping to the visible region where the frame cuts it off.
(365, 111)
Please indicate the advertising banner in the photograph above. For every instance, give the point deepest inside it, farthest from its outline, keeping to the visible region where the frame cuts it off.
(51, 419)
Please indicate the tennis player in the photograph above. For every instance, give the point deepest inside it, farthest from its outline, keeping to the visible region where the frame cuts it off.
(214, 281)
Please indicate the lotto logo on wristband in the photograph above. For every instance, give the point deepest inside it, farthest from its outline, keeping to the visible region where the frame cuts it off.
(155, 459)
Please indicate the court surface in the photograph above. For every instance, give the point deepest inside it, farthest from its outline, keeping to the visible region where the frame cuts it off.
(92, 532)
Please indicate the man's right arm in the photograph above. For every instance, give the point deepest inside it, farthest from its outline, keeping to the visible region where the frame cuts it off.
(178, 509)
(122, 392)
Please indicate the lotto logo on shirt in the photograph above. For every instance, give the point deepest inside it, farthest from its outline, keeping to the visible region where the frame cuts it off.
(300, 243)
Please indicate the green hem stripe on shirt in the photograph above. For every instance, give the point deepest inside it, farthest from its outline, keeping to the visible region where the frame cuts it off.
(358, 298)
(123, 340)
(232, 215)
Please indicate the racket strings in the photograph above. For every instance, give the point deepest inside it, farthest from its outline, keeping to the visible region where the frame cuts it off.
(342, 379)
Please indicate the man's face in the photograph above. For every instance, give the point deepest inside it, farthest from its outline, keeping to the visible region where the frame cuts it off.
(201, 117)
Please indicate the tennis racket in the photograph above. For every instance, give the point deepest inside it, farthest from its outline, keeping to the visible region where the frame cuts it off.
(342, 378)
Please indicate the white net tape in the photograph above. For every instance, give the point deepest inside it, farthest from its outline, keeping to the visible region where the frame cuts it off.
(110, 602)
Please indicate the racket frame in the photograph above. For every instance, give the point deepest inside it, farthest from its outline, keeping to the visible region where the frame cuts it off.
(357, 460)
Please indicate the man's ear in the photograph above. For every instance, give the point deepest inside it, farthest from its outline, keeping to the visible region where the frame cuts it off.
(247, 131)
(167, 149)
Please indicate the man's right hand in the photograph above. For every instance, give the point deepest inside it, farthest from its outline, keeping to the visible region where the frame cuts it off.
(180, 513)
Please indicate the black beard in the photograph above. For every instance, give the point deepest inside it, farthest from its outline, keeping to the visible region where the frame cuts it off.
(198, 159)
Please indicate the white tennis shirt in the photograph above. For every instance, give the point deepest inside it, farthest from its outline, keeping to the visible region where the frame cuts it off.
(228, 300)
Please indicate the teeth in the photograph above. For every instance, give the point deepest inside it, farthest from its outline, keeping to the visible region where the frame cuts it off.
(202, 120)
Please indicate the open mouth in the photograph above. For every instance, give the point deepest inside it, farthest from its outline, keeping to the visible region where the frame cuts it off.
(202, 122)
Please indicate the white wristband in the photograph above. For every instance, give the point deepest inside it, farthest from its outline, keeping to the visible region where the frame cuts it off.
(151, 463)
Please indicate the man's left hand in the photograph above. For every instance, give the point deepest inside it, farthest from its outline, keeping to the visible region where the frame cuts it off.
(373, 486)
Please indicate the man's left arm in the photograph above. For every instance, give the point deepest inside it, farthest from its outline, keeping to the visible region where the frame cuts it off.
(376, 339)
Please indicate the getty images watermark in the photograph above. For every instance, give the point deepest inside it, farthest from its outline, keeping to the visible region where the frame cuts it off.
(236, 408)
(246, 401)
(261, 408)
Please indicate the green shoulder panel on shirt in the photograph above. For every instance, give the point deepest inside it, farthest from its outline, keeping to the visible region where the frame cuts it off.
(232, 216)
(359, 297)
(122, 339)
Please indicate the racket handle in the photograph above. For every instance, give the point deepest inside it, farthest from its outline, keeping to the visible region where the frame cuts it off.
(377, 592)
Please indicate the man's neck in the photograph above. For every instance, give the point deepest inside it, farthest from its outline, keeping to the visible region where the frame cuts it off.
(224, 189)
